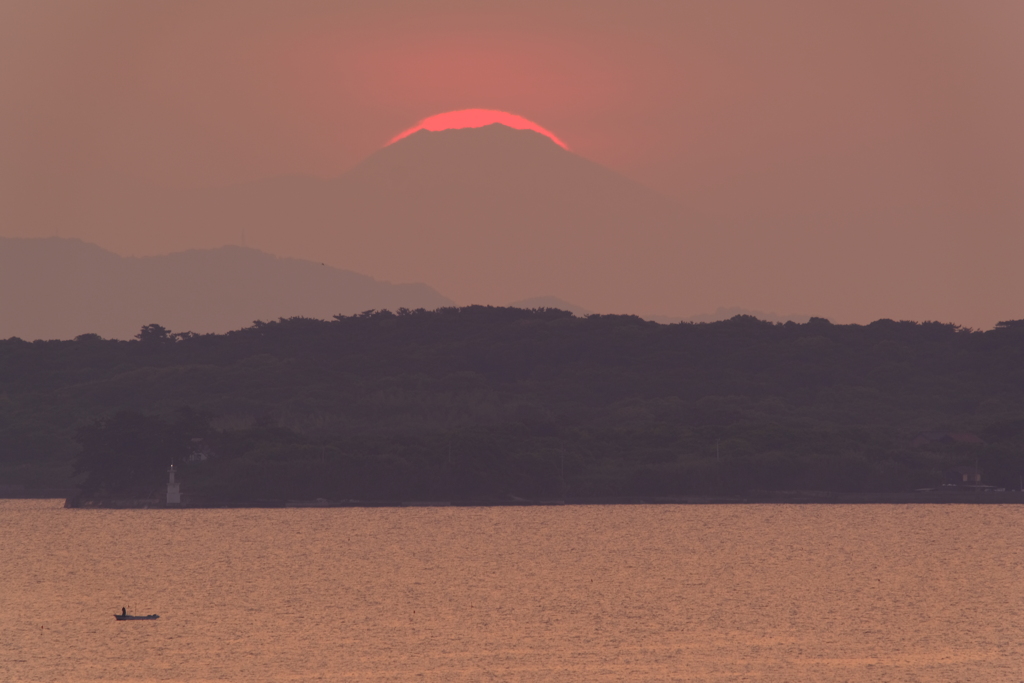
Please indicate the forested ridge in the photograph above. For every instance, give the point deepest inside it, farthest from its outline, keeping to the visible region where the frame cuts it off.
(483, 403)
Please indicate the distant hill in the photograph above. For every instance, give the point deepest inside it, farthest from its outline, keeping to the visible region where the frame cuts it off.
(60, 288)
(487, 215)
(493, 214)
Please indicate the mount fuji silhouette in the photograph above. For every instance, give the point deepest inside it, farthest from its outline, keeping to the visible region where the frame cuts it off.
(486, 215)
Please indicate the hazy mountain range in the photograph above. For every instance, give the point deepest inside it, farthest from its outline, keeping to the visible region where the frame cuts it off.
(486, 215)
(60, 288)
(55, 288)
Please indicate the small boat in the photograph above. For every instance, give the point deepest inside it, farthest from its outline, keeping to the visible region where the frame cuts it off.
(132, 617)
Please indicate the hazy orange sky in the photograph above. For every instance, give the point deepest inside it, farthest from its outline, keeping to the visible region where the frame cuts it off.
(870, 154)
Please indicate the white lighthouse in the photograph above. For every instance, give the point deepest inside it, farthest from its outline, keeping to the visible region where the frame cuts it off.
(173, 489)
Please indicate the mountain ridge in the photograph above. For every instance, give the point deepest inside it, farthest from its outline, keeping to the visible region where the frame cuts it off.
(487, 215)
(59, 288)
(493, 214)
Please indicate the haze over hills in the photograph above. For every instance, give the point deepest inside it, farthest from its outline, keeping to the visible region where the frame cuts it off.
(487, 215)
(60, 288)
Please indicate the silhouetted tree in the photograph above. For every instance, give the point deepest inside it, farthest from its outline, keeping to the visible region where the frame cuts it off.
(154, 334)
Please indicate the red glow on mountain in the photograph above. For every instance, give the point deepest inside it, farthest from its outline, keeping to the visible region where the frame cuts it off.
(476, 118)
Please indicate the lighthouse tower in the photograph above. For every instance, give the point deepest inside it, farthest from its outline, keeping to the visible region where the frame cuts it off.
(173, 489)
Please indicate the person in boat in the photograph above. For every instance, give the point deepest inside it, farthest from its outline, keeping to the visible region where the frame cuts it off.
(124, 612)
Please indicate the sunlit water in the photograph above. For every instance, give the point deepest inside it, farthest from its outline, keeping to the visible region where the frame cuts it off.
(578, 593)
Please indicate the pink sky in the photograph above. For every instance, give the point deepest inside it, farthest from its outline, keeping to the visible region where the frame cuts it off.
(868, 155)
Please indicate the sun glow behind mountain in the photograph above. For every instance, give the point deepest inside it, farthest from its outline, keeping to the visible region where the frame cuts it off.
(476, 118)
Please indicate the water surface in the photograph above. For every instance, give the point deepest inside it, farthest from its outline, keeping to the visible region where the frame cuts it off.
(720, 593)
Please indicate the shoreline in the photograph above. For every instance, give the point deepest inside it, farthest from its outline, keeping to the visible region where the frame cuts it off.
(766, 498)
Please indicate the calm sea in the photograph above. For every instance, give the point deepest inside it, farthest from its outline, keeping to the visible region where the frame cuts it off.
(721, 593)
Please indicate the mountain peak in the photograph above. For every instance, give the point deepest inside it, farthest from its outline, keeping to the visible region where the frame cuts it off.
(494, 132)
(468, 148)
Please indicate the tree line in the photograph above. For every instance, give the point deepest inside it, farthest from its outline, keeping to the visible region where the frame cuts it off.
(483, 403)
